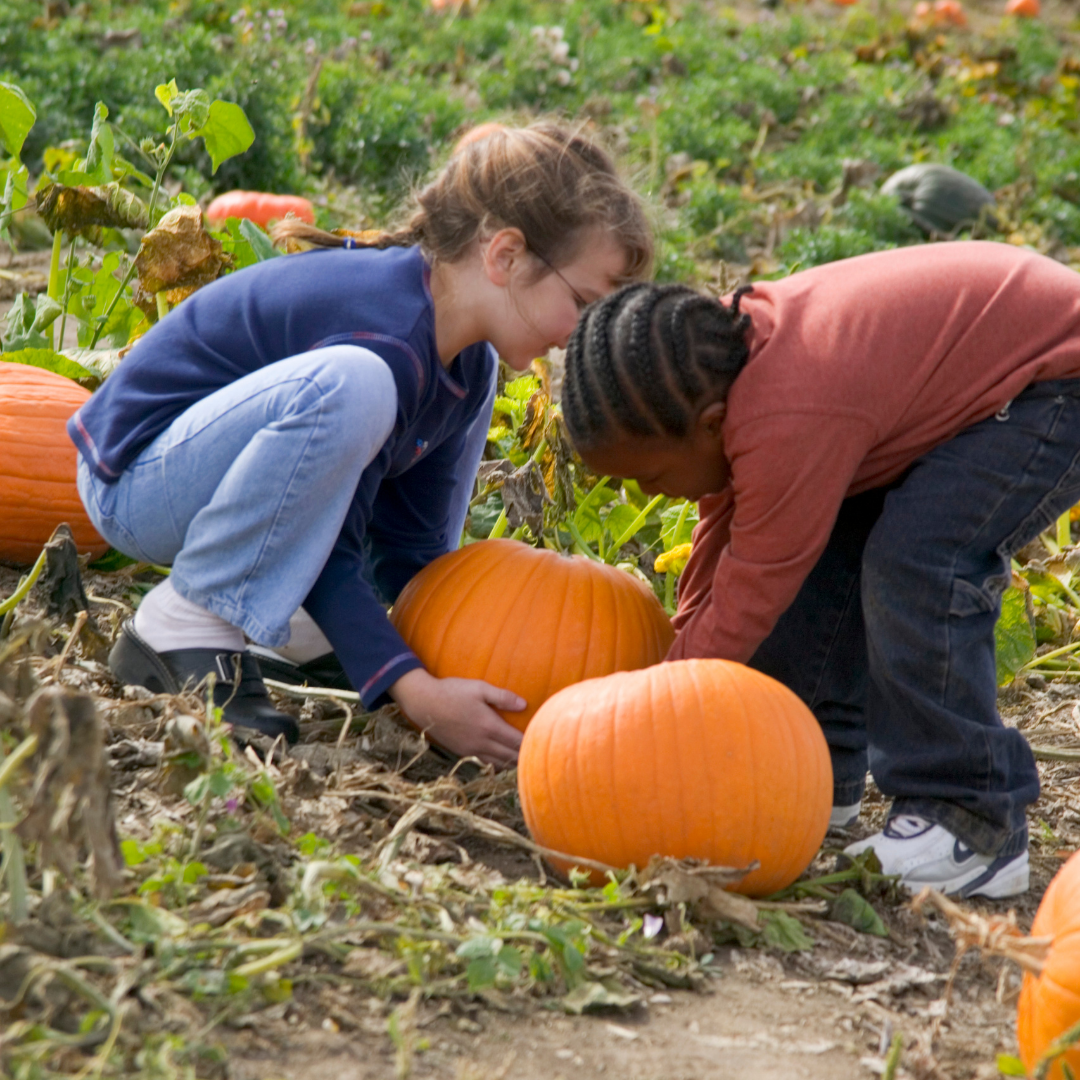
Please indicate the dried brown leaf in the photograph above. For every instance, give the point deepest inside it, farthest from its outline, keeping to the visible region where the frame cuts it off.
(85, 210)
(178, 253)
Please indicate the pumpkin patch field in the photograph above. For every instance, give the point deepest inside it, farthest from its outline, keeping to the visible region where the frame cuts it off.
(654, 892)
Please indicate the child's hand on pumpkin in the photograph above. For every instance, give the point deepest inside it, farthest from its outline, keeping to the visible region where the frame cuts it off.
(459, 715)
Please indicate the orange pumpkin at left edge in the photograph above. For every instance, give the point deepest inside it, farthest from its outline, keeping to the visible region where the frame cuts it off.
(37, 463)
(1050, 1002)
(529, 620)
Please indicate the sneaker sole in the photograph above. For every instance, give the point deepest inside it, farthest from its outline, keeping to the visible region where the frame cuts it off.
(1008, 876)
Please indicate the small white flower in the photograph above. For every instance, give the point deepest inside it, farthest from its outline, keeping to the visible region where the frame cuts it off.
(563, 77)
(653, 924)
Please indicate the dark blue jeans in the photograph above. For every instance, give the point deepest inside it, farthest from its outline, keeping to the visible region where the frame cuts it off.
(890, 641)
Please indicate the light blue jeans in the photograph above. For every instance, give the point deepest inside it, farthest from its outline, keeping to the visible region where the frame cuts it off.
(245, 493)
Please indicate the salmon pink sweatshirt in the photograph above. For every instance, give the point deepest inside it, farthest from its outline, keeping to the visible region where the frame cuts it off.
(856, 369)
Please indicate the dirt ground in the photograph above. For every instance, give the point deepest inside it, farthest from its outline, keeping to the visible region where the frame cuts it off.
(830, 1012)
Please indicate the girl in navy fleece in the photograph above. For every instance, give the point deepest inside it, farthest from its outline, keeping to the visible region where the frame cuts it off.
(304, 434)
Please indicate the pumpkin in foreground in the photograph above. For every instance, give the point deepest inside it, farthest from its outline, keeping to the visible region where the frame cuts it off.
(702, 759)
(529, 620)
(37, 463)
(1050, 1002)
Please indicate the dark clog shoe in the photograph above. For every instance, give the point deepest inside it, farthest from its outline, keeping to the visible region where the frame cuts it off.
(239, 690)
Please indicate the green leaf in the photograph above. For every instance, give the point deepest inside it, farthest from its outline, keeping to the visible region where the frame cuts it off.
(259, 241)
(677, 523)
(136, 853)
(220, 784)
(620, 518)
(481, 973)
(147, 923)
(522, 388)
(225, 133)
(234, 243)
(785, 932)
(853, 909)
(1008, 1065)
(111, 561)
(17, 117)
(14, 179)
(197, 790)
(167, 93)
(476, 947)
(49, 361)
(191, 110)
(1014, 635)
(193, 871)
(509, 961)
(91, 300)
(99, 154)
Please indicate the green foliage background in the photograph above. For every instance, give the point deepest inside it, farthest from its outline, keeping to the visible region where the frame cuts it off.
(765, 112)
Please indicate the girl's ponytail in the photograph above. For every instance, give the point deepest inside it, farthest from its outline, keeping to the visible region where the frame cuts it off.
(550, 182)
(297, 235)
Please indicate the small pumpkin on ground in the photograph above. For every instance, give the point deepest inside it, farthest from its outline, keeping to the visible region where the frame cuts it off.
(703, 759)
(529, 619)
(260, 207)
(1050, 1002)
(37, 463)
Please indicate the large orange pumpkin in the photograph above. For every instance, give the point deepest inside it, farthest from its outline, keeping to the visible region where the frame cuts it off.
(1050, 1003)
(702, 759)
(37, 463)
(529, 620)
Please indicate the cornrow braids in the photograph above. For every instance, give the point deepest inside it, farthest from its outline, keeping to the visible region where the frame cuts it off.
(646, 359)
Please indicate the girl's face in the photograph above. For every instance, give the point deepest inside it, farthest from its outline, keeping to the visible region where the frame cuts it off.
(683, 468)
(538, 314)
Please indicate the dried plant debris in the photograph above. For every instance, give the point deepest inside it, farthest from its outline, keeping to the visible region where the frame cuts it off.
(69, 811)
(84, 211)
(359, 871)
(177, 257)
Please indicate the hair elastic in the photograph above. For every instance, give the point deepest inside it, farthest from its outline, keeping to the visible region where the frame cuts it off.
(350, 243)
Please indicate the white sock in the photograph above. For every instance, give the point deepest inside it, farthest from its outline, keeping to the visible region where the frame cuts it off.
(306, 640)
(166, 621)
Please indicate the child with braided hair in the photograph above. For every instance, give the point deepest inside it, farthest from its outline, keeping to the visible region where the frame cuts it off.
(870, 442)
(299, 438)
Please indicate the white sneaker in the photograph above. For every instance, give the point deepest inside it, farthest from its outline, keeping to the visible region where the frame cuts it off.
(925, 854)
(843, 817)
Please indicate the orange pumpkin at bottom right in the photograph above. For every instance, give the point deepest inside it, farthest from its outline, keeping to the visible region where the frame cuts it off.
(703, 759)
(1050, 1002)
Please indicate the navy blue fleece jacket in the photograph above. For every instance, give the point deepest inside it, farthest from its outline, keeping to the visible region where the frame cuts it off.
(400, 517)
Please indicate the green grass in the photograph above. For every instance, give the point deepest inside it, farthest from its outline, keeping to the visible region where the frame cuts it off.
(773, 104)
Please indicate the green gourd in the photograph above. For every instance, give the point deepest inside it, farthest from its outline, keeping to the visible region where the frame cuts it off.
(939, 198)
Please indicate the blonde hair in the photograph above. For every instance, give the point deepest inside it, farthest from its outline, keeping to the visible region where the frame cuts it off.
(550, 182)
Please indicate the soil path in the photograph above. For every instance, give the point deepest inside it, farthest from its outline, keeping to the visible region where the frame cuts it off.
(743, 1029)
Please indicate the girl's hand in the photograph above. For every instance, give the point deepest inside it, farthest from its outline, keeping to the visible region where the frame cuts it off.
(459, 715)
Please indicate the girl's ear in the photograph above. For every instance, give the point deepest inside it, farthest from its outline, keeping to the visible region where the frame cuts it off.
(502, 254)
(710, 421)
